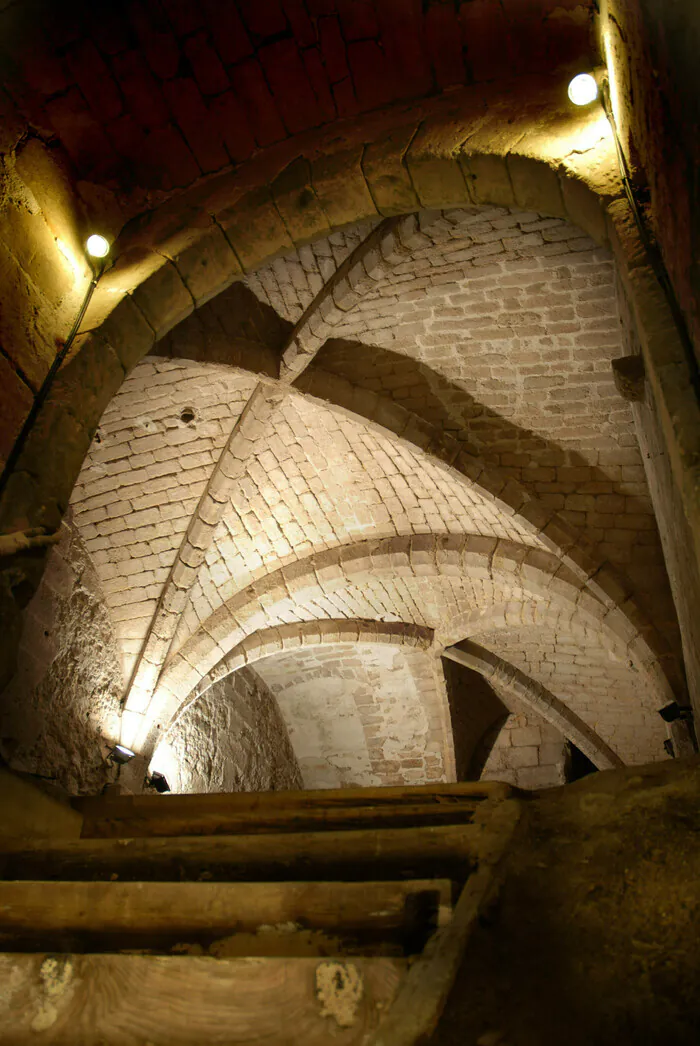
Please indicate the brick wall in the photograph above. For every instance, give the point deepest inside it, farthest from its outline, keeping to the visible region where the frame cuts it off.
(527, 752)
(595, 682)
(362, 714)
(144, 475)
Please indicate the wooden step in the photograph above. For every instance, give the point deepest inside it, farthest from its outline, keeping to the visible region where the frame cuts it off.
(129, 1000)
(111, 916)
(448, 851)
(258, 812)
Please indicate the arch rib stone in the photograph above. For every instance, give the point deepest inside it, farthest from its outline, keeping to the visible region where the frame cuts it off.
(282, 639)
(427, 555)
(537, 697)
(386, 246)
(577, 554)
(195, 544)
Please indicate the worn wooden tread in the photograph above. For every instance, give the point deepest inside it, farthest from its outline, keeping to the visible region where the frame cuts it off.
(434, 851)
(115, 915)
(129, 1000)
(254, 813)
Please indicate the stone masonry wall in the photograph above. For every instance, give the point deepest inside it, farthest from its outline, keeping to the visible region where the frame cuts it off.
(60, 712)
(315, 480)
(519, 311)
(143, 477)
(233, 739)
(361, 714)
(527, 752)
(596, 683)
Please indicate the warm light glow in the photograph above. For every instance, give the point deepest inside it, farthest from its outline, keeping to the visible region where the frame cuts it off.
(583, 89)
(77, 266)
(97, 246)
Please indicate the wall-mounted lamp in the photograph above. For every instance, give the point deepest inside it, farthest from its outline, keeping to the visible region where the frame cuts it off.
(121, 754)
(97, 246)
(583, 89)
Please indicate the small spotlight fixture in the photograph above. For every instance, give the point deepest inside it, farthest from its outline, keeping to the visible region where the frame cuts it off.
(97, 246)
(583, 89)
(121, 754)
(159, 782)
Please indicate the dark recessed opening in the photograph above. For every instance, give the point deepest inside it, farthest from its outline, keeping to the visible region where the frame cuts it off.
(578, 765)
(187, 415)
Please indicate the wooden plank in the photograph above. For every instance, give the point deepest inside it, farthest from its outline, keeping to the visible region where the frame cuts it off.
(233, 813)
(174, 823)
(141, 915)
(327, 798)
(445, 851)
(130, 1000)
(421, 999)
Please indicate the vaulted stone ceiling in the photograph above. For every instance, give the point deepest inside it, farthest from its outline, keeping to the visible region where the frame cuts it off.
(236, 519)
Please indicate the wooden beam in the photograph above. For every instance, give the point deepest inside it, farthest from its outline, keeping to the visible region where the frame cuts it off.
(448, 851)
(129, 1000)
(137, 912)
(252, 813)
(424, 991)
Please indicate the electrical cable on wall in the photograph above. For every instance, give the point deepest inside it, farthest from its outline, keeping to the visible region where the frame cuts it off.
(651, 248)
(98, 248)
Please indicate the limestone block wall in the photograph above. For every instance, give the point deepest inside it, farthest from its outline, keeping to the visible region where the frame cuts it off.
(362, 714)
(143, 477)
(594, 680)
(233, 739)
(527, 752)
(60, 712)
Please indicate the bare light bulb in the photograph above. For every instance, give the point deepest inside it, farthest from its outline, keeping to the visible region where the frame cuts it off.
(583, 89)
(97, 246)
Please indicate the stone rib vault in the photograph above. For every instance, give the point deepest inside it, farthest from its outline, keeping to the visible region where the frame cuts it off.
(399, 437)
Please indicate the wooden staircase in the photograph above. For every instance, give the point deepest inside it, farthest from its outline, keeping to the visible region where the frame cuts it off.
(277, 918)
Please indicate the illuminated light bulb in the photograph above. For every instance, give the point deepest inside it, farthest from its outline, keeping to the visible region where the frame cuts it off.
(583, 89)
(97, 246)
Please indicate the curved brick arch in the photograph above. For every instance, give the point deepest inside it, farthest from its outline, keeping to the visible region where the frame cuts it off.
(575, 552)
(538, 698)
(38, 492)
(422, 555)
(565, 541)
(281, 639)
(533, 613)
(250, 227)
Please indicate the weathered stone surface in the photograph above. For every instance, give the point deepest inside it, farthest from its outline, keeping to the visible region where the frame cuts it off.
(60, 712)
(232, 739)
